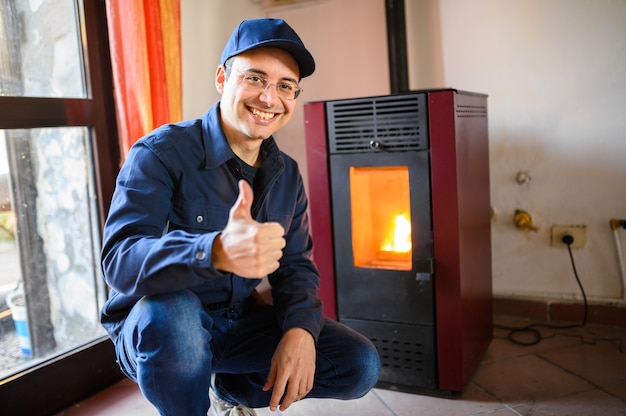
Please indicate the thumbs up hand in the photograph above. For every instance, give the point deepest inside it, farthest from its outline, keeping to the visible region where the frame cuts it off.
(245, 247)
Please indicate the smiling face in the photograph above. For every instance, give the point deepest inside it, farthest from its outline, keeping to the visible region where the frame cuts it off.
(249, 117)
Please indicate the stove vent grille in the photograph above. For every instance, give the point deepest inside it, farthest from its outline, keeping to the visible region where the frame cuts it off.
(388, 123)
(471, 111)
(406, 351)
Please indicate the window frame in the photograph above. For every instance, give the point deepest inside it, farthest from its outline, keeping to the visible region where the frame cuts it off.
(66, 379)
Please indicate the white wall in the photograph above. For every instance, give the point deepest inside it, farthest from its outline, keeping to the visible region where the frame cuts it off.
(206, 26)
(555, 73)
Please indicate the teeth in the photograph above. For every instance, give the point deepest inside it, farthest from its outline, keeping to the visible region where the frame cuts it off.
(263, 115)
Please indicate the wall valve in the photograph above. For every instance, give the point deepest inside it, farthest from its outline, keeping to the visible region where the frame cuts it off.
(523, 177)
(615, 224)
(524, 221)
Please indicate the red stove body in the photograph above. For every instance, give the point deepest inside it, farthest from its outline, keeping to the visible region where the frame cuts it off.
(400, 217)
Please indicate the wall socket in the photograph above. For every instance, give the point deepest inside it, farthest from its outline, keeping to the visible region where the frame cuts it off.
(579, 232)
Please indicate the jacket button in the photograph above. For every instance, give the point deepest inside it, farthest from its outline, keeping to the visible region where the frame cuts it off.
(199, 219)
(201, 255)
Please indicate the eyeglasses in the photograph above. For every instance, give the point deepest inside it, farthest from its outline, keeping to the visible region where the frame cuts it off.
(287, 90)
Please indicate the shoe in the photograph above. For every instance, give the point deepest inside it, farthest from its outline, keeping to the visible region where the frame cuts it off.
(220, 407)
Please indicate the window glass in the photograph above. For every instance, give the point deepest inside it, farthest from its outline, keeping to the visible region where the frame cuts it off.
(52, 288)
(40, 49)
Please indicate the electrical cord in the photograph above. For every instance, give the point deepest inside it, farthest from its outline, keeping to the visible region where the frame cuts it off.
(531, 329)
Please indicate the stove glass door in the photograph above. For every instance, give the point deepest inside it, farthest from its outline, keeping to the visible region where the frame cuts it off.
(381, 217)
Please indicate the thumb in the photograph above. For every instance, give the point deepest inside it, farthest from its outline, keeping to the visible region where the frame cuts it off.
(243, 205)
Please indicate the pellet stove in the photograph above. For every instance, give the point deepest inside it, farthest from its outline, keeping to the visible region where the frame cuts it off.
(400, 216)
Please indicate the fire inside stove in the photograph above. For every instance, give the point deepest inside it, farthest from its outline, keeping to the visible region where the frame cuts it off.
(381, 219)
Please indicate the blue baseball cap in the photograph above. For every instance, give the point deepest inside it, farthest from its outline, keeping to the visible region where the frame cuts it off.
(255, 33)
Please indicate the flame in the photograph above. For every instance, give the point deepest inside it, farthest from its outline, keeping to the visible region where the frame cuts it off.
(399, 236)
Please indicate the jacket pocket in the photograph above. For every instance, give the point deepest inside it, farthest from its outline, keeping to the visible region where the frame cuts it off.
(196, 217)
(283, 218)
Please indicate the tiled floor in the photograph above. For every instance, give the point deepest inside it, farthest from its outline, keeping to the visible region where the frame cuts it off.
(569, 372)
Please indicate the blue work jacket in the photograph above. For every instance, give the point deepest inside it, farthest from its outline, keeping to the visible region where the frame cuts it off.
(173, 196)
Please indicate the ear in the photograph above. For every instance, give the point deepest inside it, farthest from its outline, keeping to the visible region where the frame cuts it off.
(220, 79)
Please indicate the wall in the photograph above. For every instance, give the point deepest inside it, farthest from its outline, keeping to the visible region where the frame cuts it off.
(206, 26)
(554, 72)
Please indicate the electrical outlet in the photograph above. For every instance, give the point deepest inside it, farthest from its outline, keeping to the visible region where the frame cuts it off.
(579, 232)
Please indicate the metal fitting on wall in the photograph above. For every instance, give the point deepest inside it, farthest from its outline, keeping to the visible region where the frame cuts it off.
(524, 221)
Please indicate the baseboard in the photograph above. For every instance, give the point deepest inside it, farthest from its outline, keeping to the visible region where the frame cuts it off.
(560, 311)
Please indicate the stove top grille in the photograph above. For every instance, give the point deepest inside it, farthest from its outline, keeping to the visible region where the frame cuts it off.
(389, 123)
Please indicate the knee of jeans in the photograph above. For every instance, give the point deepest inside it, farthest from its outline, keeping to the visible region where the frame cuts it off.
(368, 366)
(175, 323)
(363, 368)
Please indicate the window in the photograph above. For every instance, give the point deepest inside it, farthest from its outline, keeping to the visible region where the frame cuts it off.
(58, 159)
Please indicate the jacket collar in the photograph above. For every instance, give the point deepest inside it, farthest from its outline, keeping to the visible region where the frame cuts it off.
(216, 147)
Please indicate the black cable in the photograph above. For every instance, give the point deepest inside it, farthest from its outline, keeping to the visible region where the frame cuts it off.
(530, 329)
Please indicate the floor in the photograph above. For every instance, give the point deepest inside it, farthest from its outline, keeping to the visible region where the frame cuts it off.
(578, 371)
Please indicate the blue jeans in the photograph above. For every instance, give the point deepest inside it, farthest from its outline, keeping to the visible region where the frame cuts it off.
(170, 345)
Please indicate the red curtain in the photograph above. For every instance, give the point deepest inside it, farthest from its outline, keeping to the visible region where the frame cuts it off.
(144, 38)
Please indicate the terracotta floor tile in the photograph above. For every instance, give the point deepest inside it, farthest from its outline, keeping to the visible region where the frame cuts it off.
(502, 348)
(603, 364)
(526, 379)
(618, 390)
(589, 403)
(601, 331)
(123, 398)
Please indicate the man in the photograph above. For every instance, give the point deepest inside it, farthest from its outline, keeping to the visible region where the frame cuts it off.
(202, 211)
